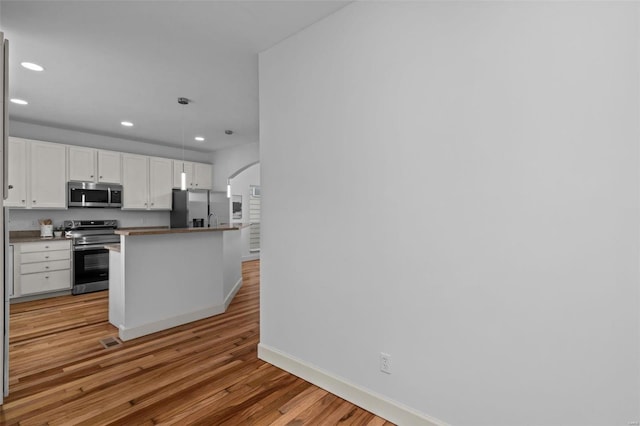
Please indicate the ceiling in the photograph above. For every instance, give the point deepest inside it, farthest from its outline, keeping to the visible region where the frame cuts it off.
(111, 61)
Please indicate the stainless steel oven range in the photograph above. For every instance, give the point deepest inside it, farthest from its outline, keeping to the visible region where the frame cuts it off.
(90, 258)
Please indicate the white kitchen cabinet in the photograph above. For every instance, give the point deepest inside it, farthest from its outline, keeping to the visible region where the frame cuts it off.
(94, 165)
(47, 175)
(201, 176)
(160, 183)
(41, 267)
(198, 174)
(109, 166)
(135, 181)
(17, 169)
(82, 164)
(177, 171)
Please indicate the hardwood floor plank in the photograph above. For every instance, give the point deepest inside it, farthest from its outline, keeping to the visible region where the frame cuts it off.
(206, 372)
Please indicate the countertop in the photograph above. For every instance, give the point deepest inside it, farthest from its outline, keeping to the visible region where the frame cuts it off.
(147, 231)
(16, 237)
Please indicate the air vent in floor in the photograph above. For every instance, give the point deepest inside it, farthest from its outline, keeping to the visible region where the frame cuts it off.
(110, 342)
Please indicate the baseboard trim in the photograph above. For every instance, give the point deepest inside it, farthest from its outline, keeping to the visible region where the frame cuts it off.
(381, 406)
(153, 327)
(252, 256)
(232, 294)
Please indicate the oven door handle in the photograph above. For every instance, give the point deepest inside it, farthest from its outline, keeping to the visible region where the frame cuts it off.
(90, 247)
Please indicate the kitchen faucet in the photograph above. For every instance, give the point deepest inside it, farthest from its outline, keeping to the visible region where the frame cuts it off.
(215, 216)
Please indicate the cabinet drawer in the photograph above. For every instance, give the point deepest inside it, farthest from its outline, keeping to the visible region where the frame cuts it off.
(45, 246)
(45, 256)
(56, 265)
(45, 281)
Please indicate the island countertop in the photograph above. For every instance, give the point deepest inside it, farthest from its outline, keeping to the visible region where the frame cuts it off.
(161, 231)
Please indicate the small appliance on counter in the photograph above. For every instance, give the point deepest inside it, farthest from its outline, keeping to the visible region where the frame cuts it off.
(189, 208)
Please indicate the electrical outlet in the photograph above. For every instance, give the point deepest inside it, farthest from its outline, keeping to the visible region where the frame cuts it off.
(385, 363)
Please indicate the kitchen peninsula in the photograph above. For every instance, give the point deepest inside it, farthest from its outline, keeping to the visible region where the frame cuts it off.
(162, 278)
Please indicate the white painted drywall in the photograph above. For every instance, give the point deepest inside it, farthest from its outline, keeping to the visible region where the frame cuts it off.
(229, 160)
(22, 219)
(504, 136)
(73, 137)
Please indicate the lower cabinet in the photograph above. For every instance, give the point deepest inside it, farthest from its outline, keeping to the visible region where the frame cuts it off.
(41, 267)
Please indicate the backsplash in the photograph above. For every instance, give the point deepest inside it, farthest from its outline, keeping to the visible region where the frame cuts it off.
(20, 219)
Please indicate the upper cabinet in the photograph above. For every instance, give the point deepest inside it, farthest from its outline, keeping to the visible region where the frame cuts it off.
(146, 182)
(109, 166)
(37, 175)
(94, 165)
(160, 180)
(47, 178)
(17, 169)
(82, 164)
(202, 175)
(198, 174)
(135, 181)
(178, 167)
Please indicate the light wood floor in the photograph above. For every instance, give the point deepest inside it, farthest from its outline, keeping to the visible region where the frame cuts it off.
(206, 372)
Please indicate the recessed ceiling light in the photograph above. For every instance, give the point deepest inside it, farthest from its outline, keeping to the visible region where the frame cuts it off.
(199, 138)
(126, 123)
(19, 101)
(31, 66)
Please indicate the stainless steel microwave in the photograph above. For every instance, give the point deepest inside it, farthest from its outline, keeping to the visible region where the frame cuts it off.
(89, 194)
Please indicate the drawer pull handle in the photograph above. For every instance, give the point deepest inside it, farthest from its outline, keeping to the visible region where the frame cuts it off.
(46, 257)
(47, 277)
(46, 267)
(46, 246)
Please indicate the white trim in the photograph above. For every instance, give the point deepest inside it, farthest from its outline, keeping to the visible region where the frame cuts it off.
(386, 408)
(144, 329)
(252, 256)
(232, 294)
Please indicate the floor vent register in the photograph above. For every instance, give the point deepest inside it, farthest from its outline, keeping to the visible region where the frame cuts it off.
(110, 342)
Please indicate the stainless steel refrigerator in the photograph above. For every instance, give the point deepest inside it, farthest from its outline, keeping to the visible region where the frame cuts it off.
(4, 231)
(190, 208)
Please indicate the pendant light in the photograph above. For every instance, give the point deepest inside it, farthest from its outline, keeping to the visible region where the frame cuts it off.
(183, 175)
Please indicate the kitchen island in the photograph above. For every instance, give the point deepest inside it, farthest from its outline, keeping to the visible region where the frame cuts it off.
(162, 278)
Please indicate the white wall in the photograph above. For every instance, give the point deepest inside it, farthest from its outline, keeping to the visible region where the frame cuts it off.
(505, 136)
(20, 220)
(73, 137)
(229, 160)
(241, 185)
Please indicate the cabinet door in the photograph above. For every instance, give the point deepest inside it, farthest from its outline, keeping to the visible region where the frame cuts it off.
(160, 183)
(109, 166)
(135, 182)
(177, 170)
(17, 169)
(47, 183)
(82, 164)
(202, 176)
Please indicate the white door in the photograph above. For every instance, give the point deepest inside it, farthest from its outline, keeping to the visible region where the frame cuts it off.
(17, 173)
(82, 164)
(160, 183)
(109, 166)
(48, 172)
(135, 183)
(202, 175)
